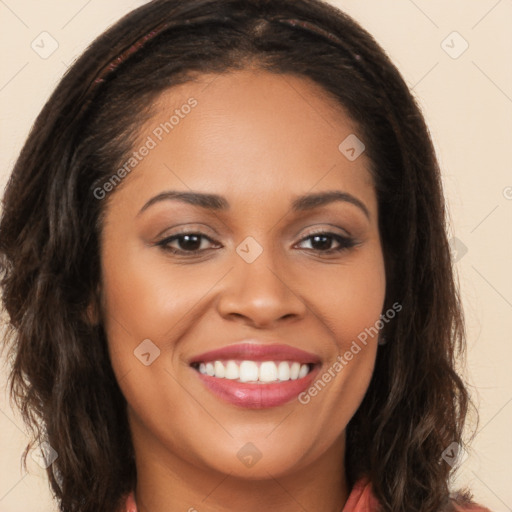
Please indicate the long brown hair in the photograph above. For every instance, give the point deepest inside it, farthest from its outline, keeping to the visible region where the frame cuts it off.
(62, 379)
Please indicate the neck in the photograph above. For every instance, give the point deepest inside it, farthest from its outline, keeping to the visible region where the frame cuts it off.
(166, 482)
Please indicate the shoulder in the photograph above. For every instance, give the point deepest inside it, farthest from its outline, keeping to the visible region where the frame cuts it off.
(462, 501)
(469, 507)
(129, 504)
(362, 499)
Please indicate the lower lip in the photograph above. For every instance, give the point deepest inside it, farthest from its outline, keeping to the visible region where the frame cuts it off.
(257, 396)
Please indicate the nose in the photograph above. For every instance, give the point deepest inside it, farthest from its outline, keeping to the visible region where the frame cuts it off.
(260, 295)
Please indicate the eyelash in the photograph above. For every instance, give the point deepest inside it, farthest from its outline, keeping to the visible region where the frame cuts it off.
(343, 241)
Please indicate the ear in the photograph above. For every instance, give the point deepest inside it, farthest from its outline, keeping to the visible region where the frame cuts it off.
(92, 311)
(92, 314)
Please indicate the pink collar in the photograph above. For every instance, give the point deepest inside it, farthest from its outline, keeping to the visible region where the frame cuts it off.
(360, 499)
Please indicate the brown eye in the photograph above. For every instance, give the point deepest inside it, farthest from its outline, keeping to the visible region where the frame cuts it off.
(184, 243)
(322, 242)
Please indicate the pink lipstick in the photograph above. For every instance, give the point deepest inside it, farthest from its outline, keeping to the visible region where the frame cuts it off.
(256, 375)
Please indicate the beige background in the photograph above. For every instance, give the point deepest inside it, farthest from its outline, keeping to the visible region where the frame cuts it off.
(467, 102)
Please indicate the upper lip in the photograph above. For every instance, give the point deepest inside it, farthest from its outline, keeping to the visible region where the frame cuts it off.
(255, 350)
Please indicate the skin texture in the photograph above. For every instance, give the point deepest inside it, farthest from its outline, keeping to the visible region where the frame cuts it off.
(259, 140)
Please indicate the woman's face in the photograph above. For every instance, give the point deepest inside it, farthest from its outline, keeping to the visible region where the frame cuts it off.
(237, 346)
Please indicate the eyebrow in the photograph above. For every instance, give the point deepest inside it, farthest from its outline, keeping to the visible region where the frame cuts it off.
(219, 203)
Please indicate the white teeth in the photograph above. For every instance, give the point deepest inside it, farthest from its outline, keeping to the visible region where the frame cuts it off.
(248, 371)
(252, 371)
(304, 370)
(232, 371)
(209, 369)
(268, 371)
(294, 371)
(219, 370)
(283, 371)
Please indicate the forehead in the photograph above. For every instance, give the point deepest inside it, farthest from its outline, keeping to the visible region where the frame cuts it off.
(248, 131)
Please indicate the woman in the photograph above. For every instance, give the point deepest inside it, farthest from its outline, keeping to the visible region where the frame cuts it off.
(185, 348)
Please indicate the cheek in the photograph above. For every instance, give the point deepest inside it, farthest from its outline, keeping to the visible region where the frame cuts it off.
(145, 296)
(350, 301)
(349, 297)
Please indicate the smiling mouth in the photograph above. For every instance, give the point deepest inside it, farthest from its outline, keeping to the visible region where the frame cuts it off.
(254, 372)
